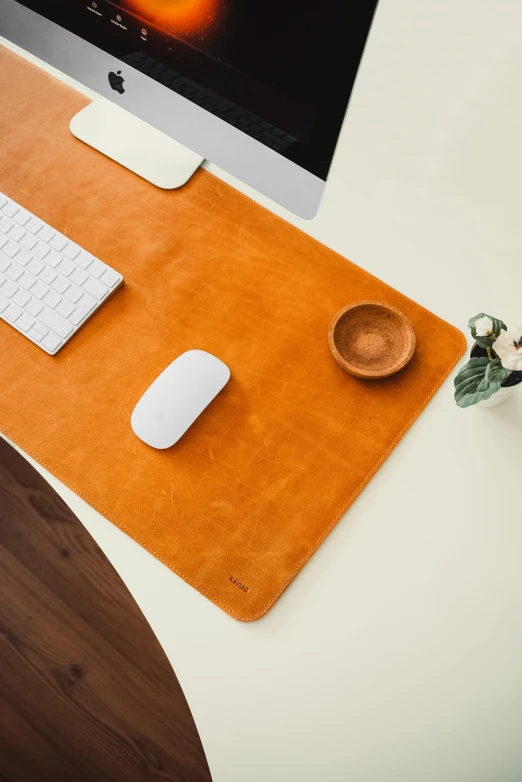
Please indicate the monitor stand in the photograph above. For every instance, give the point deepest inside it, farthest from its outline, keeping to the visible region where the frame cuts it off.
(131, 142)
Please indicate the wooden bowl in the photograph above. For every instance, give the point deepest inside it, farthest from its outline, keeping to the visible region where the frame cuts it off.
(371, 340)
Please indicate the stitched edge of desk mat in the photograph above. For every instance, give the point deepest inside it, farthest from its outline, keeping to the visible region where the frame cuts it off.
(86, 338)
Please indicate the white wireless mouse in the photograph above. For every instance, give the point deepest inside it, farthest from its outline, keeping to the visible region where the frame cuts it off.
(177, 397)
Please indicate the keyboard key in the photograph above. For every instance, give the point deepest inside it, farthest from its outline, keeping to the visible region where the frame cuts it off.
(35, 266)
(53, 259)
(65, 308)
(58, 243)
(47, 275)
(71, 250)
(95, 288)
(34, 307)
(9, 288)
(61, 284)
(84, 260)
(39, 290)
(75, 317)
(73, 294)
(97, 268)
(26, 281)
(84, 306)
(28, 241)
(66, 267)
(12, 313)
(22, 216)
(4, 303)
(3, 278)
(41, 250)
(79, 276)
(10, 209)
(10, 249)
(55, 322)
(21, 298)
(25, 322)
(33, 225)
(3, 240)
(87, 302)
(3, 200)
(23, 257)
(14, 272)
(110, 278)
(46, 233)
(52, 298)
(51, 342)
(5, 262)
(33, 334)
(16, 233)
(42, 331)
(5, 224)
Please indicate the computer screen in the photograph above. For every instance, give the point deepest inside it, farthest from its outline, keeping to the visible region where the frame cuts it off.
(281, 71)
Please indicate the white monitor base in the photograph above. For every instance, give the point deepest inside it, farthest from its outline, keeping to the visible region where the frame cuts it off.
(134, 144)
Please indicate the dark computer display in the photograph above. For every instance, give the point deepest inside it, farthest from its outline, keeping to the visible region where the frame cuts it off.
(281, 71)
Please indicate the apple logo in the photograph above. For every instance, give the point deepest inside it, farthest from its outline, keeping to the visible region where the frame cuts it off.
(116, 82)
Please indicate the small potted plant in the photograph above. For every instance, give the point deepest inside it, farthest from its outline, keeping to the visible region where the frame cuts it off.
(495, 365)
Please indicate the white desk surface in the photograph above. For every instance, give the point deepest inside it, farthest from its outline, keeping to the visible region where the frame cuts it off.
(396, 655)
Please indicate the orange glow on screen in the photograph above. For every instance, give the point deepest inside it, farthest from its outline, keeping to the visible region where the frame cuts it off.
(187, 16)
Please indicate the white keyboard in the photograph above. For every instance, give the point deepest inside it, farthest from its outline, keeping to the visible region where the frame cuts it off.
(49, 286)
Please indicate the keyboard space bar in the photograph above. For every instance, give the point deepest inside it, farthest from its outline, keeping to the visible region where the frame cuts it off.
(55, 322)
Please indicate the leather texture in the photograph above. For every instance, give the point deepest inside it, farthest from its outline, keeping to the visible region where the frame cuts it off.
(239, 505)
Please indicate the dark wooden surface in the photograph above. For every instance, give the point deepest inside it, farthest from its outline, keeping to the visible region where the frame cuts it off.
(86, 692)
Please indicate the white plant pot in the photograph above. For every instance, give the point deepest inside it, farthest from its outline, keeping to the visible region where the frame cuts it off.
(497, 399)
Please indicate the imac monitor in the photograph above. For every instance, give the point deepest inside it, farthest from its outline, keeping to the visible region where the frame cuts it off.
(258, 88)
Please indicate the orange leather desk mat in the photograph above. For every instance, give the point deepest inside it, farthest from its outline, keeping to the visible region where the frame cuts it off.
(238, 506)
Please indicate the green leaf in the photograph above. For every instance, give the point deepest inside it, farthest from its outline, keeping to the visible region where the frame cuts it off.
(496, 373)
(472, 385)
(496, 327)
(485, 342)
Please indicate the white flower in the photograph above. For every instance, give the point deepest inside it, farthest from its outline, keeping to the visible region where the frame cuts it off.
(508, 347)
(483, 326)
